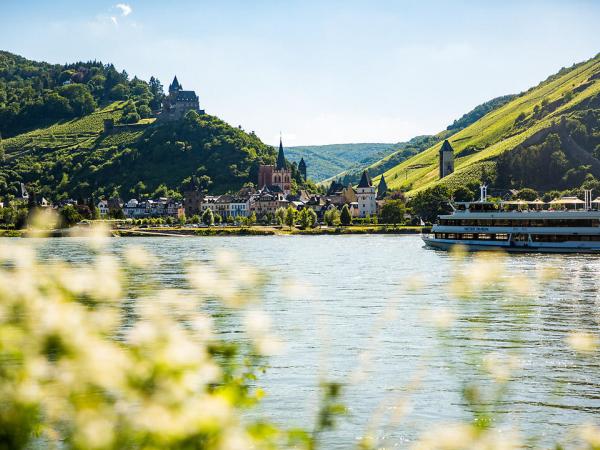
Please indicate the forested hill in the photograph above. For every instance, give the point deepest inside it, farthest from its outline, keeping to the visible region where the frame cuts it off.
(36, 94)
(325, 161)
(66, 153)
(546, 137)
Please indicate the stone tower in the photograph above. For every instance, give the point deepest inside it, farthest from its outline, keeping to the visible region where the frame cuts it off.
(446, 159)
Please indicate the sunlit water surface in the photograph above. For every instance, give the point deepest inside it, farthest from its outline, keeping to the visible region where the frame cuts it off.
(352, 298)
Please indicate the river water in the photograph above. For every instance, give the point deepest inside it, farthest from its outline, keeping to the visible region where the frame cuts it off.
(359, 315)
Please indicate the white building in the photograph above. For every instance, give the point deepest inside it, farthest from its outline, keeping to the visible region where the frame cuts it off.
(103, 208)
(366, 196)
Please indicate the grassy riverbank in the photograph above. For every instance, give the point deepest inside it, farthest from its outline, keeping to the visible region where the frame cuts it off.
(265, 231)
(257, 230)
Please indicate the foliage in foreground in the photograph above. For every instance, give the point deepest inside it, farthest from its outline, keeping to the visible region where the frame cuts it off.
(81, 369)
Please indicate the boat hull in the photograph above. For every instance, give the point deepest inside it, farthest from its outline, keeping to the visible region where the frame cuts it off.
(565, 247)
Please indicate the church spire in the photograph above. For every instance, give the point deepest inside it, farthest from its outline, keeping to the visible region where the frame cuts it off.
(280, 157)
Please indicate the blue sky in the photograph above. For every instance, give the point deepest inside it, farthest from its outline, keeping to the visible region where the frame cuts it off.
(323, 71)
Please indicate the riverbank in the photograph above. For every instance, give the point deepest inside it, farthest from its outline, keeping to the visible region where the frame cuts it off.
(259, 230)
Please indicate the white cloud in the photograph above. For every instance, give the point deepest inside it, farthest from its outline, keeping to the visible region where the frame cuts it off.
(125, 9)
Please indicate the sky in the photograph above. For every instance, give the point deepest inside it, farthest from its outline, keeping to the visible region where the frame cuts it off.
(319, 72)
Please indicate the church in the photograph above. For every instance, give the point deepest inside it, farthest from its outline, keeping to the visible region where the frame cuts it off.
(279, 176)
(179, 102)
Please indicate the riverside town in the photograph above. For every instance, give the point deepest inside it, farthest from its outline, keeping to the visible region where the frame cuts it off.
(300, 225)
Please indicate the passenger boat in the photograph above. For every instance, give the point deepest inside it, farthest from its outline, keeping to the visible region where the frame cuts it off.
(565, 225)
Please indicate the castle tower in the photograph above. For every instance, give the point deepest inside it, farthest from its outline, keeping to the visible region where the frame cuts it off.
(365, 196)
(446, 159)
(175, 86)
(302, 168)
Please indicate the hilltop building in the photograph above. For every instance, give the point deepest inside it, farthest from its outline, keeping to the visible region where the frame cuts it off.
(366, 197)
(446, 159)
(179, 102)
(278, 176)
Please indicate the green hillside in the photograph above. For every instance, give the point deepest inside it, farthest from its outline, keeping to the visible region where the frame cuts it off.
(68, 154)
(404, 150)
(571, 98)
(325, 161)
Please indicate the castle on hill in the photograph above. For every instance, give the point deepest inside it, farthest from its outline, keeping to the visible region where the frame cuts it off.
(179, 102)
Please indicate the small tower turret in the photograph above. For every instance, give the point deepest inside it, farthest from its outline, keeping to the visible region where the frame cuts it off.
(302, 168)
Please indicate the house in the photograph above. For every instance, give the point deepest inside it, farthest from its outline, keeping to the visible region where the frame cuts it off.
(239, 207)
(103, 208)
(366, 196)
(267, 200)
(135, 210)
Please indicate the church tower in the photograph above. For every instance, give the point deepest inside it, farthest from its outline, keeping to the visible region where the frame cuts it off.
(446, 159)
(278, 176)
(282, 175)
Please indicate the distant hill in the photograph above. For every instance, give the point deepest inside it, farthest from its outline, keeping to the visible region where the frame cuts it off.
(325, 161)
(547, 137)
(61, 150)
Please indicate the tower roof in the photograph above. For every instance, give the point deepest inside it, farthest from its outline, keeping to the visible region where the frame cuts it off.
(175, 85)
(365, 180)
(280, 157)
(302, 163)
(446, 147)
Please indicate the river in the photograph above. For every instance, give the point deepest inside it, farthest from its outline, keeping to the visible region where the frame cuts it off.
(366, 295)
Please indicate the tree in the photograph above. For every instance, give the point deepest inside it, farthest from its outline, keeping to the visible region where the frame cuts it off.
(280, 215)
(345, 216)
(463, 194)
(230, 219)
(382, 188)
(70, 216)
(393, 212)
(207, 217)
(527, 194)
(195, 219)
(312, 217)
(332, 217)
(119, 92)
(81, 101)
(251, 219)
(290, 217)
(430, 203)
(303, 219)
(218, 218)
